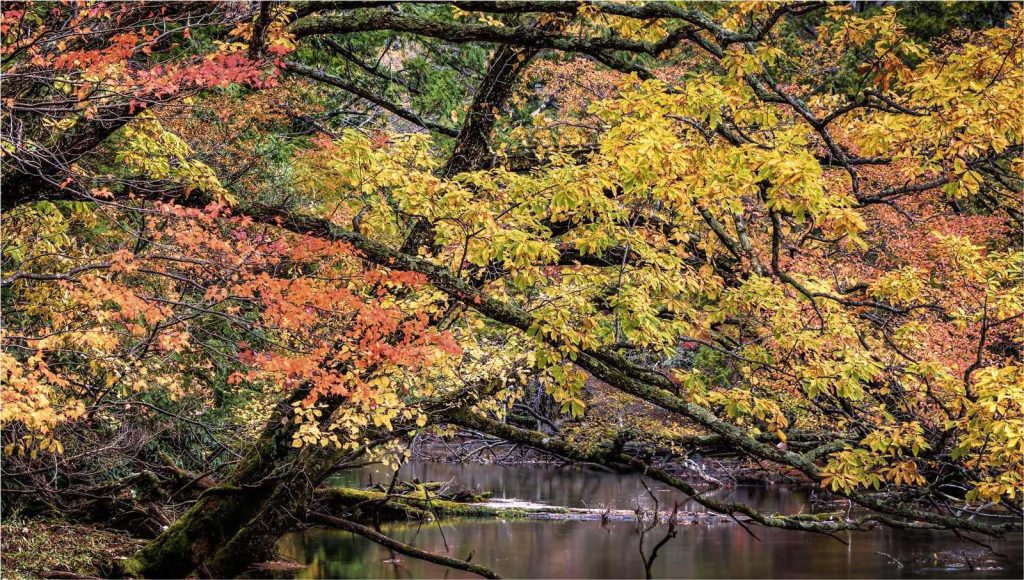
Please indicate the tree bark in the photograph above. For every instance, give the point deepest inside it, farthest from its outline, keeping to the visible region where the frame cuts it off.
(239, 521)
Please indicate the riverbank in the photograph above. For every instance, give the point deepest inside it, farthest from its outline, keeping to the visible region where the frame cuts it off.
(56, 549)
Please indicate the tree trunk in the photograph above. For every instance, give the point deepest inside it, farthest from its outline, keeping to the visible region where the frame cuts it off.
(239, 522)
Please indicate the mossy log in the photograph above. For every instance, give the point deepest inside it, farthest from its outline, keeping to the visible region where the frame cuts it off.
(408, 487)
(434, 489)
(364, 503)
(368, 505)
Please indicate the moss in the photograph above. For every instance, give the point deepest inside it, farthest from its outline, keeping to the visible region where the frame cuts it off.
(819, 517)
(130, 568)
(192, 538)
(34, 548)
(411, 507)
(175, 543)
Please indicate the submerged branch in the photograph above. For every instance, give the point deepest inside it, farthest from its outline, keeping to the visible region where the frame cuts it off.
(411, 551)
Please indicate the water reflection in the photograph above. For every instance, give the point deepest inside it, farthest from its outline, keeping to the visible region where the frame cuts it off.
(588, 549)
(569, 487)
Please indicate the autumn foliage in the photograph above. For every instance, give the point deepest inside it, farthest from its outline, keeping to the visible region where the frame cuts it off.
(751, 220)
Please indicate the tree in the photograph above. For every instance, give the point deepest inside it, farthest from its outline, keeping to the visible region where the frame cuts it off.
(817, 214)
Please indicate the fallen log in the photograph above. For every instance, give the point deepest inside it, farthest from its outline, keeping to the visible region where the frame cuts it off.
(362, 504)
(444, 490)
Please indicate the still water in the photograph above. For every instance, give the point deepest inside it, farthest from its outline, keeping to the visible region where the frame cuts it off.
(590, 549)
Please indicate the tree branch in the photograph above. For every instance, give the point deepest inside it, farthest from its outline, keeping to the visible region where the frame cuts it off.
(319, 75)
(393, 544)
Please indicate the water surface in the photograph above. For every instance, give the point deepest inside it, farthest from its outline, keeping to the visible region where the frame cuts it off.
(590, 549)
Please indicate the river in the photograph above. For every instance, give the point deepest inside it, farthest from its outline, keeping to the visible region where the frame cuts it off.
(525, 548)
